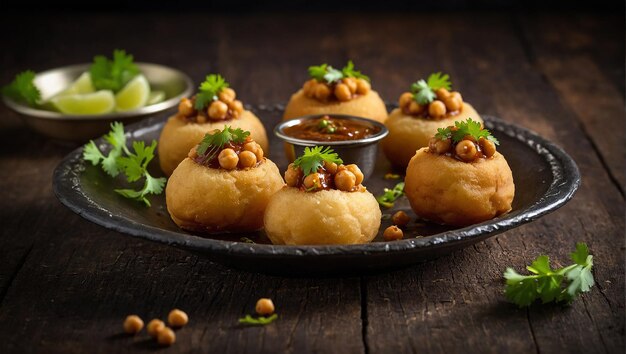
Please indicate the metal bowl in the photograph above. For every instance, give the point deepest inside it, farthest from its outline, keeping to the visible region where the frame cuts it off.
(80, 128)
(361, 152)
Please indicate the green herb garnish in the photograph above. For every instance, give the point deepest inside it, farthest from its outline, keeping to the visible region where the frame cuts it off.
(249, 320)
(23, 89)
(134, 164)
(348, 71)
(547, 284)
(313, 158)
(464, 128)
(329, 74)
(212, 143)
(209, 89)
(389, 196)
(113, 74)
(424, 91)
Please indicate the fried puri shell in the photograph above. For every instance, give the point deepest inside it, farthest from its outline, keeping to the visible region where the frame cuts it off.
(445, 190)
(369, 106)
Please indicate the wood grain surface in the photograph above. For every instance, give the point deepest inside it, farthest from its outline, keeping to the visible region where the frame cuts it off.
(66, 284)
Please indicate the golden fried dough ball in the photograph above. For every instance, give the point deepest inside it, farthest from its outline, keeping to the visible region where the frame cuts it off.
(295, 217)
(445, 190)
(204, 199)
(178, 137)
(408, 133)
(369, 105)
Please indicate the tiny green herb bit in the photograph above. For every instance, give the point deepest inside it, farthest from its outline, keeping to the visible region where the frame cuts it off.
(134, 164)
(547, 284)
(331, 75)
(313, 158)
(249, 320)
(209, 89)
(23, 89)
(389, 196)
(424, 90)
(113, 74)
(464, 128)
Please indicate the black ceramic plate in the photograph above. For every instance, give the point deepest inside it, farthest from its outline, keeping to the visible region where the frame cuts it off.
(545, 179)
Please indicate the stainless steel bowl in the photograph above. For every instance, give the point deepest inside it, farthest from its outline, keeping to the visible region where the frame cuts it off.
(80, 128)
(361, 151)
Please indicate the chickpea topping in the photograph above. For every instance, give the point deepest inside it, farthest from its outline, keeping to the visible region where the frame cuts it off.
(133, 324)
(405, 99)
(255, 148)
(415, 108)
(457, 95)
(488, 147)
(166, 337)
(440, 146)
(264, 307)
(154, 327)
(400, 218)
(312, 181)
(185, 107)
(218, 110)
(342, 92)
(393, 233)
(321, 91)
(363, 86)
(236, 106)
(453, 103)
(227, 95)
(293, 175)
(247, 159)
(466, 150)
(330, 167)
(357, 173)
(352, 84)
(345, 180)
(442, 93)
(193, 153)
(228, 159)
(200, 119)
(437, 109)
(177, 318)
(309, 88)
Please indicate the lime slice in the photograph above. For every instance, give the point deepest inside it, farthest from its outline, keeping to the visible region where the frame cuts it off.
(82, 85)
(155, 97)
(90, 103)
(134, 95)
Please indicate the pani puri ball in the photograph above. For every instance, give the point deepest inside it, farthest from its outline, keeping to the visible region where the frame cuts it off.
(369, 106)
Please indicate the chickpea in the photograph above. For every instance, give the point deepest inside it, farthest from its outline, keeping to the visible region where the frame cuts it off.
(185, 107)
(322, 91)
(293, 175)
(133, 324)
(466, 150)
(255, 148)
(309, 88)
(177, 318)
(443, 146)
(236, 106)
(393, 233)
(227, 95)
(247, 159)
(352, 84)
(312, 181)
(363, 86)
(264, 307)
(453, 103)
(342, 92)
(218, 110)
(400, 218)
(487, 146)
(154, 327)
(228, 159)
(345, 180)
(166, 337)
(437, 109)
(432, 144)
(442, 93)
(200, 119)
(330, 167)
(357, 173)
(457, 95)
(405, 99)
(193, 153)
(415, 108)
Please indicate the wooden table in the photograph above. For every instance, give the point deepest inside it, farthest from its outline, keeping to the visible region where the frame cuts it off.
(66, 284)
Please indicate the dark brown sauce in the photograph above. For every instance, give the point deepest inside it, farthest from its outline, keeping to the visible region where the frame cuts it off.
(327, 128)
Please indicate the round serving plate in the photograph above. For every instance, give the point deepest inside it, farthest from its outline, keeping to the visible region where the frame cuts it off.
(545, 179)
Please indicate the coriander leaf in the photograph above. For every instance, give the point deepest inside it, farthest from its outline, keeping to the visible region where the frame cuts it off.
(332, 75)
(389, 196)
(313, 158)
(259, 320)
(472, 128)
(153, 185)
(317, 72)
(581, 279)
(520, 289)
(541, 265)
(348, 71)
(23, 89)
(116, 136)
(209, 89)
(212, 143)
(443, 133)
(109, 163)
(439, 80)
(581, 254)
(112, 74)
(92, 153)
(422, 93)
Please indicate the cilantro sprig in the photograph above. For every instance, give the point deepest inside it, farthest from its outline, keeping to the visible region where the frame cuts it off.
(258, 321)
(464, 128)
(23, 89)
(424, 90)
(133, 164)
(313, 158)
(212, 143)
(389, 196)
(209, 89)
(331, 75)
(551, 285)
(113, 74)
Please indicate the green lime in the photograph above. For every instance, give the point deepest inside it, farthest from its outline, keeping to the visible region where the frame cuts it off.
(99, 102)
(134, 95)
(155, 97)
(82, 85)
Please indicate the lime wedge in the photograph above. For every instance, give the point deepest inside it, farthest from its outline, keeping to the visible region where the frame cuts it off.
(155, 97)
(90, 103)
(134, 95)
(82, 85)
